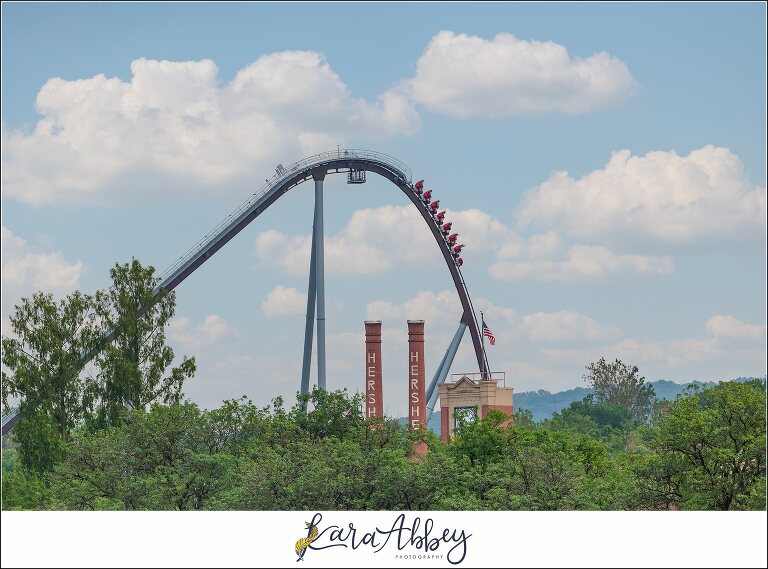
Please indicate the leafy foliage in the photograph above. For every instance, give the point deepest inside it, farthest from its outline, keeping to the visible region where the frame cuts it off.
(44, 361)
(242, 457)
(125, 440)
(710, 449)
(619, 384)
(132, 368)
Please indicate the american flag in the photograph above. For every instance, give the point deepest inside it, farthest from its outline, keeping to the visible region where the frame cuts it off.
(487, 332)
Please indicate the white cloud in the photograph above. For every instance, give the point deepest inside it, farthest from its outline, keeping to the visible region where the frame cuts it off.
(438, 308)
(25, 270)
(464, 76)
(283, 301)
(175, 127)
(564, 326)
(442, 312)
(480, 231)
(494, 312)
(204, 335)
(583, 262)
(378, 239)
(726, 326)
(670, 354)
(531, 376)
(443, 308)
(544, 257)
(372, 241)
(660, 196)
(680, 360)
(223, 375)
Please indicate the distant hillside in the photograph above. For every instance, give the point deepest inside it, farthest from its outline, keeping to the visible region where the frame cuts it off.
(543, 403)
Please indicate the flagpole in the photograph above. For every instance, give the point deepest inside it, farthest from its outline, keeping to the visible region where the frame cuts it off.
(482, 338)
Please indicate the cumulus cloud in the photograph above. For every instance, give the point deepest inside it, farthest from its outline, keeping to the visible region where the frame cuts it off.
(464, 76)
(548, 257)
(564, 326)
(442, 312)
(661, 196)
(726, 326)
(284, 301)
(582, 263)
(207, 333)
(672, 353)
(372, 241)
(26, 270)
(443, 307)
(500, 314)
(175, 123)
(377, 239)
(480, 231)
(440, 308)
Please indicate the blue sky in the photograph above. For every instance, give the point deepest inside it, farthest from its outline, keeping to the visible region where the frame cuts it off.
(605, 165)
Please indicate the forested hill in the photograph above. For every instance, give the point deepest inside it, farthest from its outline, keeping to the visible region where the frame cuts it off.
(543, 403)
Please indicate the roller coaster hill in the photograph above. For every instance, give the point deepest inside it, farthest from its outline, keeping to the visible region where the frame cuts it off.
(356, 164)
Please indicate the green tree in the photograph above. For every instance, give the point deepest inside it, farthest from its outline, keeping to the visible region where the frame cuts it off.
(334, 413)
(407, 484)
(133, 369)
(44, 361)
(171, 449)
(703, 451)
(619, 384)
(603, 414)
(480, 441)
(660, 480)
(710, 450)
(550, 469)
(606, 422)
(156, 460)
(524, 418)
(25, 490)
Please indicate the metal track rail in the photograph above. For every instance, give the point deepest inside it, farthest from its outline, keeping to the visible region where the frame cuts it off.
(284, 179)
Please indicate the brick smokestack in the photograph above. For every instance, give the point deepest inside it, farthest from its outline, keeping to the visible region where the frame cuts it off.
(374, 397)
(417, 406)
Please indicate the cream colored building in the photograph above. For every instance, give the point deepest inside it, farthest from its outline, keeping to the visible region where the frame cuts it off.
(472, 396)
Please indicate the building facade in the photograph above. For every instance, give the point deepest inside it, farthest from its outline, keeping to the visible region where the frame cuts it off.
(463, 399)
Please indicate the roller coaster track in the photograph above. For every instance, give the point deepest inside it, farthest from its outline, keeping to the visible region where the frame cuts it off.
(284, 179)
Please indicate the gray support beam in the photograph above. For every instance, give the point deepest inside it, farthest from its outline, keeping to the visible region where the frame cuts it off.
(309, 328)
(292, 176)
(319, 176)
(9, 419)
(433, 384)
(442, 370)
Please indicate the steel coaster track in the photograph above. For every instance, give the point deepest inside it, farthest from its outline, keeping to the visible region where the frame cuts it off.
(284, 179)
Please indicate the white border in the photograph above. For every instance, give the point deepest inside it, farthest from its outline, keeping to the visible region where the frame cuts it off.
(498, 539)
